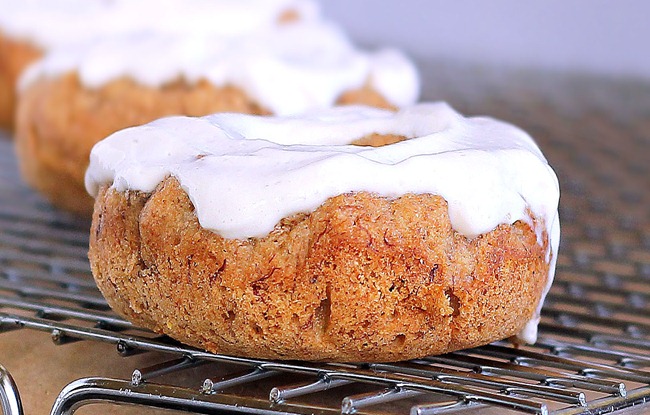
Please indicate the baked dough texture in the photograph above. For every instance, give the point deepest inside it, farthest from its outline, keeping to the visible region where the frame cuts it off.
(15, 56)
(59, 120)
(361, 278)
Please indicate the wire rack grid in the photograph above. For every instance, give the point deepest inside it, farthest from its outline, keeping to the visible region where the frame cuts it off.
(593, 351)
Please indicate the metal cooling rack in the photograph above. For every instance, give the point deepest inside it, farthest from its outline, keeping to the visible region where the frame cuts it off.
(593, 353)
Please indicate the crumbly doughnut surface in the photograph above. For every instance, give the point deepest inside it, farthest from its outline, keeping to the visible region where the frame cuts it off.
(361, 278)
(59, 120)
(15, 56)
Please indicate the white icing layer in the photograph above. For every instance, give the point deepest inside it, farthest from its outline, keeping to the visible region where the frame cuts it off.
(245, 173)
(53, 23)
(286, 68)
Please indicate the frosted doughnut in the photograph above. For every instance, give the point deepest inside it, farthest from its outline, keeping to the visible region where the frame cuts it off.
(224, 213)
(80, 93)
(30, 28)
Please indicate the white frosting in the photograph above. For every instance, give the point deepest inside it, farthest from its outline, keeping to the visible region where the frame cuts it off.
(286, 68)
(53, 23)
(245, 173)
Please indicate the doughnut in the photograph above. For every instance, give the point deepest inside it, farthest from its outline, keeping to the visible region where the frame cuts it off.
(345, 234)
(28, 29)
(76, 96)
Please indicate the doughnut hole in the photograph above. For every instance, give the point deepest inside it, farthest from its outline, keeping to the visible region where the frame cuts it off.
(378, 140)
(289, 16)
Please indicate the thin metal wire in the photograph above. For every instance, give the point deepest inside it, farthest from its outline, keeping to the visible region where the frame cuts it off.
(91, 390)
(10, 402)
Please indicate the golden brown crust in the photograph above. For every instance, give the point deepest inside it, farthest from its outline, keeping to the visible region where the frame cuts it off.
(59, 121)
(15, 56)
(362, 278)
